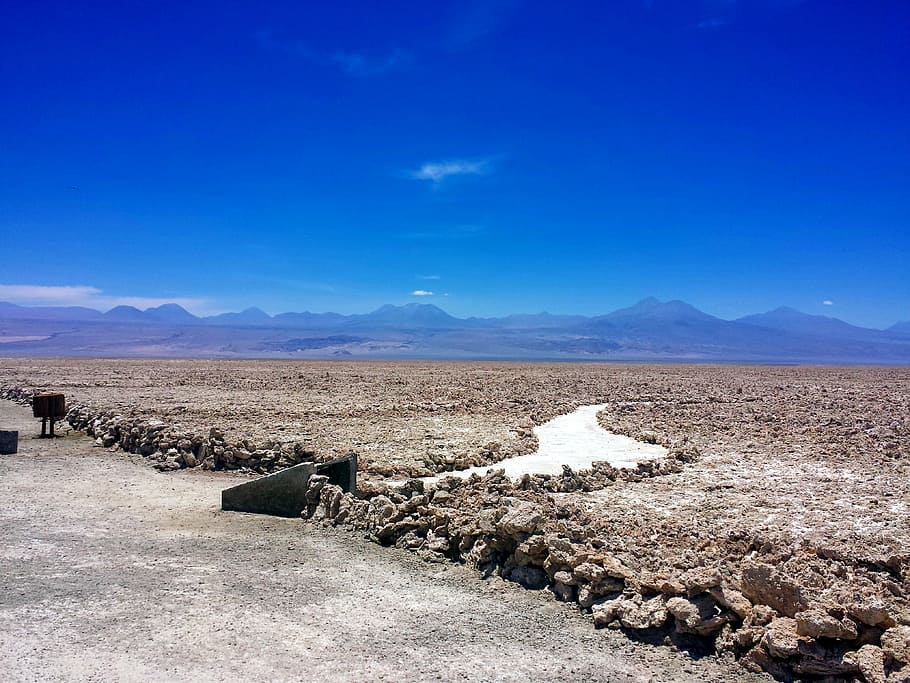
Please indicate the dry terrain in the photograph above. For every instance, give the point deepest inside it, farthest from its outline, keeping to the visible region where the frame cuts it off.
(116, 572)
(787, 487)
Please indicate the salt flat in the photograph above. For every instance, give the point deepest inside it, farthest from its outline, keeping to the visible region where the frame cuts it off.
(575, 440)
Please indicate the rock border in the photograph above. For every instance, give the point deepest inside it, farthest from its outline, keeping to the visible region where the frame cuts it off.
(742, 607)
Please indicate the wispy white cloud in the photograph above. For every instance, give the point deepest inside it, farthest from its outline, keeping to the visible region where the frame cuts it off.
(421, 292)
(69, 295)
(91, 297)
(437, 171)
(827, 302)
(350, 62)
(429, 277)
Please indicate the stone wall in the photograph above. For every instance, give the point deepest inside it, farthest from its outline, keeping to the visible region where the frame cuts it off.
(750, 606)
(169, 447)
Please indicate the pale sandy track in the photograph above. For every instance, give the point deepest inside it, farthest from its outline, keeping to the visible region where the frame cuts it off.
(113, 571)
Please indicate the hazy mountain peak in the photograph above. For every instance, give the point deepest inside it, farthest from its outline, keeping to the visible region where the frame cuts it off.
(788, 319)
(652, 308)
(122, 308)
(385, 308)
(790, 313)
(253, 313)
(248, 316)
(783, 313)
(410, 309)
(171, 313)
(412, 315)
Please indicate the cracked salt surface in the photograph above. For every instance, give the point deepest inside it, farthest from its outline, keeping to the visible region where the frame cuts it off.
(576, 440)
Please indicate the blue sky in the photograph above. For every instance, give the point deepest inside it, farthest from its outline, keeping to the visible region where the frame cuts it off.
(503, 156)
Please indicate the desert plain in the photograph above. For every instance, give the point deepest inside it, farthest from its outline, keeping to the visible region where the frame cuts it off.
(773, 536)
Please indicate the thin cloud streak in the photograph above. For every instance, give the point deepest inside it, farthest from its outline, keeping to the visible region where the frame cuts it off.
(437, 171)
(91, 297)
(421, 292)
(352, 63)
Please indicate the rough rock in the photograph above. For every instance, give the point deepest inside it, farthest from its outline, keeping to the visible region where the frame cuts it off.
(563, 592)
(590, 572)
(824, 658)
(762, 615)
(566, 578)
(761, 583)
(524, 518)
(613, 567)
(700, 579)
(482, 553)
(660, 583)
(781, 638)
(896, 644)
(437, 544)
(532, 550)
(607, 611)
(869, 661)
(590, 593)
(649, 614)
(733, 600)
(872, 611)
(698, 615)
(529, 577)
(816, 623)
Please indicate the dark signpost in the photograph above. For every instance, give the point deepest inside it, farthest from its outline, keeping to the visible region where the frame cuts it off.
(49, 406)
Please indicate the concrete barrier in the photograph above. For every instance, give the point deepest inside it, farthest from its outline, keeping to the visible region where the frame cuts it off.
(283, 493)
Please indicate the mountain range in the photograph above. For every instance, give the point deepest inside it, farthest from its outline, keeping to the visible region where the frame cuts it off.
(649, 330)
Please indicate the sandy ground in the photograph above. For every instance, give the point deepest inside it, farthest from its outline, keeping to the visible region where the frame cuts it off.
(113, 571)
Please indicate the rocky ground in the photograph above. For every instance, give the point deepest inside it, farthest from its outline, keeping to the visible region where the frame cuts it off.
(776, 532)
(116, 572)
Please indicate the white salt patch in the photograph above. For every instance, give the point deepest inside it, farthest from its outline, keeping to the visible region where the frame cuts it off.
(576, 440)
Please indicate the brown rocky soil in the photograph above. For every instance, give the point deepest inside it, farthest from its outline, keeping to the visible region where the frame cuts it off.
(116, 572)
(776, 532)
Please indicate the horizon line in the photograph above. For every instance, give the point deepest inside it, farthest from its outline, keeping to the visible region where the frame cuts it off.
(413, 304)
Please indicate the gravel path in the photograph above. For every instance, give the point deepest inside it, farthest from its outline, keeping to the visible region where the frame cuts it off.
(113, 571)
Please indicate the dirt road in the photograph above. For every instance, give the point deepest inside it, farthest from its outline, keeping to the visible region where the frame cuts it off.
(113, 571)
